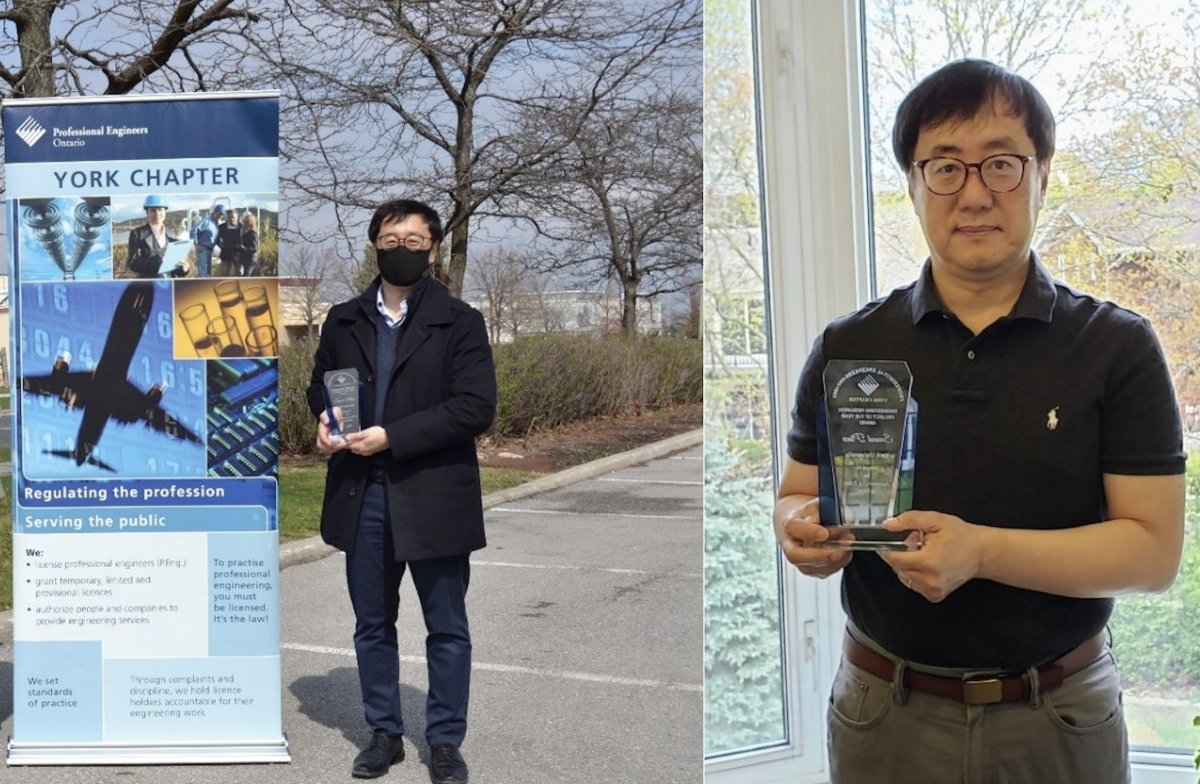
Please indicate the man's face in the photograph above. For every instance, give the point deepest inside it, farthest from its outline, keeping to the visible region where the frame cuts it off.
(977, 234)
(410, 230)
(231, 217)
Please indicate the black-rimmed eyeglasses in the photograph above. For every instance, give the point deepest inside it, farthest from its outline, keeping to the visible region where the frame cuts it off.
(1000, 173)
(412, 242)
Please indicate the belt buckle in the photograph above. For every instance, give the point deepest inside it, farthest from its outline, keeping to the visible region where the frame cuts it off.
(982, 691)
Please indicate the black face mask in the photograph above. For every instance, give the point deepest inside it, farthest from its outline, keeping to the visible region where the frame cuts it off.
(401, 266)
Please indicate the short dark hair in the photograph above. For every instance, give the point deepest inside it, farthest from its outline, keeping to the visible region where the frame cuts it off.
(957, 92)
(398, 210)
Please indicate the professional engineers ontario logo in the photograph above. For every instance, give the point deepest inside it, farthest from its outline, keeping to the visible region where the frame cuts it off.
(868, 385)
(30, 131)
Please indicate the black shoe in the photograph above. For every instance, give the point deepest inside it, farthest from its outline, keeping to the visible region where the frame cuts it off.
(446, 765)
(380, 754)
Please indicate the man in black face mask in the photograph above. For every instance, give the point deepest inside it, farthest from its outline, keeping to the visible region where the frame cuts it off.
(404, 493)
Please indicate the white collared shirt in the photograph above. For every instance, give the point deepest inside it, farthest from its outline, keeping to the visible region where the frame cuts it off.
(387, 316)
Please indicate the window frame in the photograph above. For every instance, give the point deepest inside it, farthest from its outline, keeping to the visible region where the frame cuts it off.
(812, 619)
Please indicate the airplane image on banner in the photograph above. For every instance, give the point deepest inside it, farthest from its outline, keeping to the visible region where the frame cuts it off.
(106, 393)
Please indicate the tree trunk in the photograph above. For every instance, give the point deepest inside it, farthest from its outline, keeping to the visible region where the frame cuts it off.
(456, 266)
(629, 308)
(33, 40)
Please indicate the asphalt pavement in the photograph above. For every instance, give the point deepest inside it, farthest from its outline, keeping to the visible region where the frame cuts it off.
(587, 621)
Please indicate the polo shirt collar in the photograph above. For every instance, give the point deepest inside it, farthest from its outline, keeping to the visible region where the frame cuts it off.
(1036, 300)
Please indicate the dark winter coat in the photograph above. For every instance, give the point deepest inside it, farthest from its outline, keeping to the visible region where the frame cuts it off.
(441, 395)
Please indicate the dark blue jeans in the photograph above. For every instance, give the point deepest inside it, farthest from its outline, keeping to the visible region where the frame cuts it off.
(373, 576)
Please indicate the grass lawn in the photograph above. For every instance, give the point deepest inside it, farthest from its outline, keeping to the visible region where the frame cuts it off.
(1162, 723)
(301, 490)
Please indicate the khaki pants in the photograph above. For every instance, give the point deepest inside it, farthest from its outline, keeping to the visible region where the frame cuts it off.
(1075, 734)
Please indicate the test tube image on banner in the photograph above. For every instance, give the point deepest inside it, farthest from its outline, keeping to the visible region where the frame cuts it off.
(101, 392)
(64, 239)
(243, 417)
(226, 318)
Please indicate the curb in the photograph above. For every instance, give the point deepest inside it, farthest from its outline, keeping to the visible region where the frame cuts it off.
(304, 551)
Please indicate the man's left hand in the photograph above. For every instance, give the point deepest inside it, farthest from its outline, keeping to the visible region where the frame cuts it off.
(367, 442)
(949, 557)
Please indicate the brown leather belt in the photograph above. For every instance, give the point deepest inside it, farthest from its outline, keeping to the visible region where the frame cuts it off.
(976, 691)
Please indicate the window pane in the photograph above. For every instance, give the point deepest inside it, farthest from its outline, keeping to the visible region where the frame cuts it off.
(744, 704)
(1120, 222)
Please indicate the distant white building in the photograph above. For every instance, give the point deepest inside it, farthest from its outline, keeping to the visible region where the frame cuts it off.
(572, 312)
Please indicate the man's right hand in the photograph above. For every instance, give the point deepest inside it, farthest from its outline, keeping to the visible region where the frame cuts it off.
(325, 442)
(799, 531)
(798, 523)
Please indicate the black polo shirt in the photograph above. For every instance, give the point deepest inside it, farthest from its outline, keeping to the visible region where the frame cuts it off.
(1016, 427)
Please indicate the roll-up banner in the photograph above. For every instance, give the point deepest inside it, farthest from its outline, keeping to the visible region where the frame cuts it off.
(143, 255)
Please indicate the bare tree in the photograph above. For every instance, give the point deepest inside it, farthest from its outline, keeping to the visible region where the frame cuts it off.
(539, 301)
(497, 278)
(52, 47)
(513, 295)
(442, 87)
(314, 269)
(627, 197)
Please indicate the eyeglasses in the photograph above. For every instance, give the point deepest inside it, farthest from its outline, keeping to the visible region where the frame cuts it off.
(999, 173)
(412, 242)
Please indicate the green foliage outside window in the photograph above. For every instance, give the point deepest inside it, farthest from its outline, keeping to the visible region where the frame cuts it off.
(1156, 637)
(743, 683)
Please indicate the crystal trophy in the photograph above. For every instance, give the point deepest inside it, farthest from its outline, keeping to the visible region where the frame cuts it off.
(341, 391)
(866, 452)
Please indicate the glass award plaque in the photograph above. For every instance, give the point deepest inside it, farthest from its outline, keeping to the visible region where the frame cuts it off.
(866, 452)
(341, 391)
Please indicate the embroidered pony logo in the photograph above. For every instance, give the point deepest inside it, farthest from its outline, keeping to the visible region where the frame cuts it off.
(1052, 419)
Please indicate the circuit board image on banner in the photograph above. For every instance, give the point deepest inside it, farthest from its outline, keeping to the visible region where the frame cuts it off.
(101, 392)
(243, 417)
(65, 239)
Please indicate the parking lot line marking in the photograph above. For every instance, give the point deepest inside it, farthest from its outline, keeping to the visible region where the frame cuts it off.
(650, 481)
(587, 677)
(592, 514)
(569, 568)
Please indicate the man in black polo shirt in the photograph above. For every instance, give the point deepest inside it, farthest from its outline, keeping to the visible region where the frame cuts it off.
(1049, 475)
